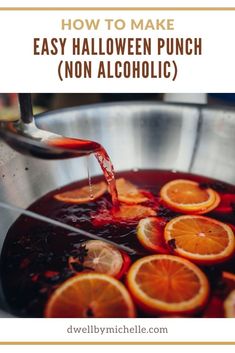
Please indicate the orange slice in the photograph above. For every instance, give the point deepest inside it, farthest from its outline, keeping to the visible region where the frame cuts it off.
(229, 305)
(212, 207)
(150, 233)
(101, 257)
(84, 194)
(200, 239)
(132, 212)
(186, 196)
(90, 295)
(129, 193)
(167, 284)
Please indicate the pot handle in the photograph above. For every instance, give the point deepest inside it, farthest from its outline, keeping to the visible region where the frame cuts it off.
(26, 109)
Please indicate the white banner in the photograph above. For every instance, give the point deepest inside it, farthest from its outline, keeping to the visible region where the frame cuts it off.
(118, 330)
(117, 51)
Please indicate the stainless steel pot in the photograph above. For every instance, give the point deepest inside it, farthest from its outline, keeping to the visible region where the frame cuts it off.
(190, 138)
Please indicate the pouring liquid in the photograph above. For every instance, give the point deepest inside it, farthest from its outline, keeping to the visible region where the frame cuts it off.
(101, 155)
(89, 179)
(36, 251)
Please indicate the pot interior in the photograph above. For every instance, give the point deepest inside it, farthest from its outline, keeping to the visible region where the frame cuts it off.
(139, 135)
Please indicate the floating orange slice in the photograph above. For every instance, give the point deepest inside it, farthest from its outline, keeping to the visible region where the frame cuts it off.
(84, 194)
(186, 196)
(101, 257)
(129, 193)
(229, 305)
(132, 212)
(200, 239)
(212, 207)
(167, 284)
(90, 295)
(150, 233)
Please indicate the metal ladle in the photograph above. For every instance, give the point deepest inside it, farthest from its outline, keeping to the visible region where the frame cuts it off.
(23, 135)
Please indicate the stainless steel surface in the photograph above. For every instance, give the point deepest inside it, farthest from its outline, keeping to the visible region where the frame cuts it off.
(136, 135)
(30, 140)
(25, 137)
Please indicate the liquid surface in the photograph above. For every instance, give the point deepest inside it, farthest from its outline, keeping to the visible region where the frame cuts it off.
(35, 255)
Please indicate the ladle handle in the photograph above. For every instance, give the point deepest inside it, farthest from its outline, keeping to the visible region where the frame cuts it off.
(26, 110)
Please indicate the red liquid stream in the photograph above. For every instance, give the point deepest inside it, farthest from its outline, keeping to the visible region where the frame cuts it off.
(108, 170)
(81, 147)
